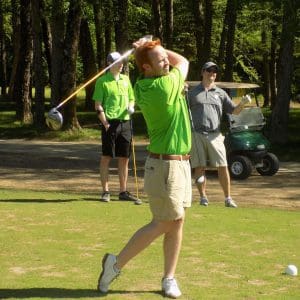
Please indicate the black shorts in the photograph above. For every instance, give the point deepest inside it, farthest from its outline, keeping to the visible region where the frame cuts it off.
(116, 141)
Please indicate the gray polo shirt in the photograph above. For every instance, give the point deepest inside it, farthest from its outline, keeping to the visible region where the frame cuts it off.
(207, 107)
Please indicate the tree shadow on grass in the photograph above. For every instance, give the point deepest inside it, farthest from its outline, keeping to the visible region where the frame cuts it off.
(61, 293)
(38, 201)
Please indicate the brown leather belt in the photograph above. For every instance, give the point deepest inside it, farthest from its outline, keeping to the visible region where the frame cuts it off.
(169, 156)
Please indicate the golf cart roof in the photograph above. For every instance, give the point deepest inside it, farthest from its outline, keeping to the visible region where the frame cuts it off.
(229, 85)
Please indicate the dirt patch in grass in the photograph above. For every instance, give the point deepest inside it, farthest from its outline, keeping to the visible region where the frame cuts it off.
(74, 167)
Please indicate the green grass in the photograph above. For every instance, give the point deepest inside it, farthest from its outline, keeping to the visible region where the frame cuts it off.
(52, 244)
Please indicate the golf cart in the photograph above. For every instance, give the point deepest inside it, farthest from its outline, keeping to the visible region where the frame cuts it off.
(245, 143)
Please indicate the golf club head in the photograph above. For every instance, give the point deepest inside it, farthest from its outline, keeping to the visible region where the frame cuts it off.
(54, 119)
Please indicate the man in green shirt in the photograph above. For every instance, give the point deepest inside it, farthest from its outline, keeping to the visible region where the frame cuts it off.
(114, 103)
(159, 94)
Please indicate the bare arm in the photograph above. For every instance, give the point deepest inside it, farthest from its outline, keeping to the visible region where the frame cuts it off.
(178, 61)
(101, 115)
(238, 109)
(245, 100)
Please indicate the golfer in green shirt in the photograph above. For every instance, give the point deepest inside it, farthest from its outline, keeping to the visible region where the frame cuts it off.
(114, 103)
(159, 94)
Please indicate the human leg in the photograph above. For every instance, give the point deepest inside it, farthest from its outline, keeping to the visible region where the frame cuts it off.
(172, 245)
(104, 172)
(167, 205)
(199, 173)
(224, 179)
(123, 149)
(123, 172)
(142, 239)
(199, 159)
(112, 264)
(108, 150)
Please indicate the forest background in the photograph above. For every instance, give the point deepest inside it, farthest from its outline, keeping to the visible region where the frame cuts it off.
(60, 44)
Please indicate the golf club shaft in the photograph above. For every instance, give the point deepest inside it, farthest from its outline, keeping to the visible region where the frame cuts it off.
(126, 54)
(134, 161)
(134, 169)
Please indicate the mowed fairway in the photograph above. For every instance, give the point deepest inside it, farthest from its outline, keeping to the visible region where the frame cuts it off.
(51, 245)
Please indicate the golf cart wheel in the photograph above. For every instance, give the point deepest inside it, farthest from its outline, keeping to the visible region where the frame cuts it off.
(240, 167)
(270, 165)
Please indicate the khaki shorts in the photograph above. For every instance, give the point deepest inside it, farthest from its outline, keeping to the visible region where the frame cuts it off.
(208, 150)
(169, 188)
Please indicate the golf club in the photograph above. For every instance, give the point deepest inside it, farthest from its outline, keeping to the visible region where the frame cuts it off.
(134, 164)
(54, 118)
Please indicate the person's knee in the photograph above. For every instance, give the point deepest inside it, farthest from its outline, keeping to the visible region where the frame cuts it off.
(223, 173)
(105, 159)
(199, 171)
(169, 225)
(123, 159)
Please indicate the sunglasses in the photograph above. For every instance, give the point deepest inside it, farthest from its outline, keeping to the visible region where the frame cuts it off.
(212, 70)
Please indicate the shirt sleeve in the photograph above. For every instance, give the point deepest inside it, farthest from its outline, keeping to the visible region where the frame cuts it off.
(228, 105)
(98, 94)
(175, 85)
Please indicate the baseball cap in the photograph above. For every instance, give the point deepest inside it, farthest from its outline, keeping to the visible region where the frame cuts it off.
(209, 64)
(113, 56)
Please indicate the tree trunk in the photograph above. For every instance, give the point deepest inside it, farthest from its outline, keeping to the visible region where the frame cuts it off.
(69, 63)
(198, 14)
(108, 17)
(266, 70)
(47, 39)
(169, 24)
(16, 46)
(273, 65)
(38, 64)
(58, 29)
(99, 31)
(88, 60)
(280, 113)
(121, 25)
(223, 40)
(21, 92)
(229, 58)
(3, 64)
(206, 45)
(157, 19)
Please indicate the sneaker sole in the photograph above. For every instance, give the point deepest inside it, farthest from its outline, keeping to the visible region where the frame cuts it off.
(99, 279)
(230, 206)
(170, 296)
(104, 200)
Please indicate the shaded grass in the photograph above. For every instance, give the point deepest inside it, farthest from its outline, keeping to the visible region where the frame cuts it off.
(54, 242)
(10, 128)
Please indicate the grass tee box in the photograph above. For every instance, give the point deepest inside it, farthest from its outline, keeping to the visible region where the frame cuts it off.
(52, 245)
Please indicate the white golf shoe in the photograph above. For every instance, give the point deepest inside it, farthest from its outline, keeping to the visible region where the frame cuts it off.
(170, 288)
(230, 203)
(109, 272)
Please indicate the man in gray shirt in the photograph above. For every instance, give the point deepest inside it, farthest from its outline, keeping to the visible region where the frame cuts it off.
(207, 103)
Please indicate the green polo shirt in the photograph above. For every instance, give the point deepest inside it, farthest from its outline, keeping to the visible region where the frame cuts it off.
(114, 95)
(165, 111)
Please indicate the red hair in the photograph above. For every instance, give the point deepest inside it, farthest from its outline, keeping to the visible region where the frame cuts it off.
(142, 53)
